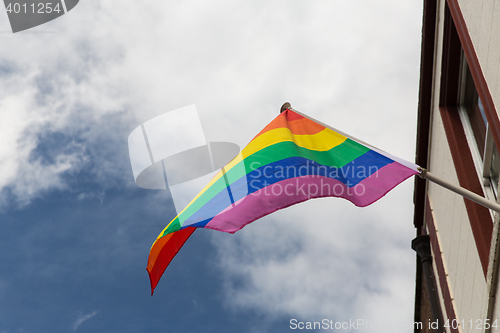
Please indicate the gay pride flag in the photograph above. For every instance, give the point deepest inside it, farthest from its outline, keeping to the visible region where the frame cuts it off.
(293, 159)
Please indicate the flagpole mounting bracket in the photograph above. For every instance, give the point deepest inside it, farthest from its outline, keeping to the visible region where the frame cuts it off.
(422, 173)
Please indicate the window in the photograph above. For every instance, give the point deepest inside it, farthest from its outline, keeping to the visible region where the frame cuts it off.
(479, 137)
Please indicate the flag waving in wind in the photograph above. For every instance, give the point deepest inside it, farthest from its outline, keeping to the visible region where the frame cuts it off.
(293, 159)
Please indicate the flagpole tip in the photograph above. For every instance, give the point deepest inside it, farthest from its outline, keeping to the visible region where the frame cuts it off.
(285, 106)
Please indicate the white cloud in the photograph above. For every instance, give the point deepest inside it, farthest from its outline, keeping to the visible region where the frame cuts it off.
(236, 60)
(83, 318)
(340, 262)
(111, 65)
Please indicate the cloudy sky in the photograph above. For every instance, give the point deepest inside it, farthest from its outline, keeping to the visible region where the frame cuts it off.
(75, 230)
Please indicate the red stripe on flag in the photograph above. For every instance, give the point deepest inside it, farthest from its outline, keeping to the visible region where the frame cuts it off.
(297, 124)
(162, 253)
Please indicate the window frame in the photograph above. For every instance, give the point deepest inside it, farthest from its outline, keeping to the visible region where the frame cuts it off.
(477, 136)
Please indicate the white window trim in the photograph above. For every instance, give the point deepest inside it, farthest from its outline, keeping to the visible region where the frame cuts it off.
(482, 168)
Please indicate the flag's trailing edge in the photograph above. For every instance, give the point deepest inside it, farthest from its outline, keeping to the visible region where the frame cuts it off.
(291, 160)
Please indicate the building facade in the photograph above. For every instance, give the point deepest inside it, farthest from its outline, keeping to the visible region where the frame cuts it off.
(457, 138)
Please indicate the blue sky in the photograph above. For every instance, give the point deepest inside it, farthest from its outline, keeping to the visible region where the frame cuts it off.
(75, 230)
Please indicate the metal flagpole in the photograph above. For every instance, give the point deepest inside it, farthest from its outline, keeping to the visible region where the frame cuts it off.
(424, 173)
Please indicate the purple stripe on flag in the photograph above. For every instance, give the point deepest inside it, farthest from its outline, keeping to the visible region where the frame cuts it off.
(292, 191)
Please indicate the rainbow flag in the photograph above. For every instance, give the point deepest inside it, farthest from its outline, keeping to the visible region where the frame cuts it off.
(293, 159)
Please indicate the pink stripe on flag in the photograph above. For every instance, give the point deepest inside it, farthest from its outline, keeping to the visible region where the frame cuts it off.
(295, 190)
